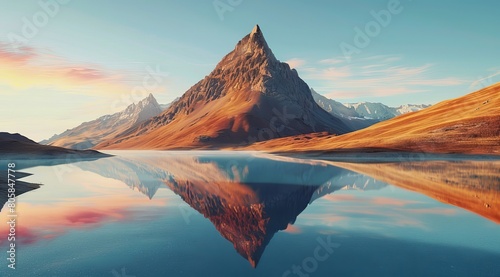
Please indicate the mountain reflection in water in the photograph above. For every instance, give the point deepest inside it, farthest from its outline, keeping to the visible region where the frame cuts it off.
(249, 198)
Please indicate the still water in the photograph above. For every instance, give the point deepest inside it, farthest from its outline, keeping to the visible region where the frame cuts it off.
(203, 213)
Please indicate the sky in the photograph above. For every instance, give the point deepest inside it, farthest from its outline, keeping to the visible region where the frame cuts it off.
(64, 62)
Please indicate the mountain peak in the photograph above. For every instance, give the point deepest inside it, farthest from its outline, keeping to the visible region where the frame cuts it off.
(256, 30)
(150, 99)
(235, 104)
(254, 44)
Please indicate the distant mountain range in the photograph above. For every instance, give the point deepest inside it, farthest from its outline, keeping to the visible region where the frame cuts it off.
(382, 112)
(89, 134)
(363, 113)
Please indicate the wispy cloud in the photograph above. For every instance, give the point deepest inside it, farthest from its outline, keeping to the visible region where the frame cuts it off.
(373, 76)
(332, 61)
(486, 81)
(85, 74)
(26, 67)
(21, 56)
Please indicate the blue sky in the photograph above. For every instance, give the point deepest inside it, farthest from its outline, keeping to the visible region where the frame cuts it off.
(84, 59)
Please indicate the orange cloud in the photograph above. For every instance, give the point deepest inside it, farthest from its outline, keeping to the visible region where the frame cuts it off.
(325, 218)
(85, 74)
(391, 201)
(26, 67)
(341, 197)
(21, 56)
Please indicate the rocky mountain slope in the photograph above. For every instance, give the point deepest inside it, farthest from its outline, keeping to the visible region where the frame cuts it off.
(249, 96)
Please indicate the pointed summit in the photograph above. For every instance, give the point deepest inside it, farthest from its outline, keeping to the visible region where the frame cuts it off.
(255, 30)
(149, 100)
(258, 39)
(150, 97)
(252, 47)
(249, 96)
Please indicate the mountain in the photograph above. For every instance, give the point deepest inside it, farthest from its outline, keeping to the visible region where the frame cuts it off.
(21, 147)
(348, 115)
(382, 112)
(249, 96)
(333, 106)
(361, 115)
(409, 108)
(91, 133)
(468, 124)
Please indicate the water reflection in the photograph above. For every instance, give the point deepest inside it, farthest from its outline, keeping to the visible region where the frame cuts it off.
(249, 197)
(471, 185)
(20, 186)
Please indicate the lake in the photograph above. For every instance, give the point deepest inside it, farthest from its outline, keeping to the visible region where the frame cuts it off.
(218, 213)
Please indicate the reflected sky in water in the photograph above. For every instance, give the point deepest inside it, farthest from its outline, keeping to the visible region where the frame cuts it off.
(251, 214)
